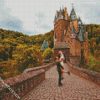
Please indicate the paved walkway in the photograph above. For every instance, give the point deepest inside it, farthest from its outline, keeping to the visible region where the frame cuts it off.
(74, 88)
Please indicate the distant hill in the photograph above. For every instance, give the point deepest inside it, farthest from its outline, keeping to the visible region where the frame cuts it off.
(14, 38)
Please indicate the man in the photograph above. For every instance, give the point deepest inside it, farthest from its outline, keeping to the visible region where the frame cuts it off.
(59, 69)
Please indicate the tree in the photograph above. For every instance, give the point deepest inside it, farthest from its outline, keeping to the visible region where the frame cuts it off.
(5, 52)
(31, 57)
(47, 54)
(49, 37)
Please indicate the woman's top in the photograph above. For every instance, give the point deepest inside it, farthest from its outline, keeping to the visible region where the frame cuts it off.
(62, 59)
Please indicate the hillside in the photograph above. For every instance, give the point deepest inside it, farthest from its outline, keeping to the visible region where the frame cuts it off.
(94, 45)
(19, 51)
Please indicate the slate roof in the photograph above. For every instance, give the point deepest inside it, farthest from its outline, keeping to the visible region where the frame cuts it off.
(73, 15)
(44, 45)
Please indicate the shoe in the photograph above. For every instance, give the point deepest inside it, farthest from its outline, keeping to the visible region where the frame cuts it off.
(62, 78)
(60, 84)
(68, 73)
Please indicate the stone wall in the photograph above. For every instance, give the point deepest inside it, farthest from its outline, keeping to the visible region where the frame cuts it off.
(59, 28)
(23, 83)
(75, 60)
(85, 73)
(45, 67)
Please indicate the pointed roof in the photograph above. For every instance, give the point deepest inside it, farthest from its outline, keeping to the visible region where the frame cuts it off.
(81, 25)
(44, 45)
(80, 21)
(66, 13)
(81, 32)
(61, 14)
(73, 15)
(81, 35)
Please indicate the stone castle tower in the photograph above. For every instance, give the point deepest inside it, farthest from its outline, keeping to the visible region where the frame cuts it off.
(69, 31)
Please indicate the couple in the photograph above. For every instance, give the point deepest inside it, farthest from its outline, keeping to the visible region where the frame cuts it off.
(60, 66)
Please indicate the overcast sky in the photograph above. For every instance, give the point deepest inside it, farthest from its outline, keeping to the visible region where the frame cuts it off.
(36, 16)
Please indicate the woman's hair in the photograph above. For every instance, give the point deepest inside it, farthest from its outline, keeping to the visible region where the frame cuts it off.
(58, 55)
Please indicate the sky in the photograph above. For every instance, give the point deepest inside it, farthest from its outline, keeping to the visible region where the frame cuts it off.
(37, 16)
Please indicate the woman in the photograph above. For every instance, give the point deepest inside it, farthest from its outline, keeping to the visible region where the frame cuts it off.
(62, 58)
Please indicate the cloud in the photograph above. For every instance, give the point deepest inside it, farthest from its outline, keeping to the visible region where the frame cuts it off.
(36, 16)
(7, 20)
(12, 24)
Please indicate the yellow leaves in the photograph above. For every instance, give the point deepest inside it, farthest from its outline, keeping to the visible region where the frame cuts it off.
(47, 54)
(19, 50)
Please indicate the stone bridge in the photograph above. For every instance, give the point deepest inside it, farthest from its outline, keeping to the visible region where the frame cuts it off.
(42, 85)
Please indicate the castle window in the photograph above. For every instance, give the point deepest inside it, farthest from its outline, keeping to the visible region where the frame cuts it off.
(64, 32)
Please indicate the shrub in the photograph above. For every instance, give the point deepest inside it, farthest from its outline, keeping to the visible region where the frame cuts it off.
(47, 54)
(5, 52)
(31, 57)
(91, 61)
(93, 64)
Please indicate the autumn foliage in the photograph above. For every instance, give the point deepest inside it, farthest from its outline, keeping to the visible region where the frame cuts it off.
(19, 51)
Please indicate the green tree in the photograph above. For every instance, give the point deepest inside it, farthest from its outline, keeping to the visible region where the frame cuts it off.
(31, 57)
(47, 54)
(5, 52)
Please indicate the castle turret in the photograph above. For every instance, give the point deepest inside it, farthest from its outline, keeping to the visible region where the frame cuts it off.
(66, 14)
(80, 21)
(61, 24)
(73, 15)
(81, 33)
(74, 19)
(70, 34)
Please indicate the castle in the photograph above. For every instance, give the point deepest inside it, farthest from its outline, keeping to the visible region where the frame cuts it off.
(70, 35)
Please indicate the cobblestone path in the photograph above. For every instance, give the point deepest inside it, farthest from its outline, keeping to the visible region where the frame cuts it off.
(74, 88)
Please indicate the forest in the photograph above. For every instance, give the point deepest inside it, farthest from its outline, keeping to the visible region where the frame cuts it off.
(94, 47)
(19, 51)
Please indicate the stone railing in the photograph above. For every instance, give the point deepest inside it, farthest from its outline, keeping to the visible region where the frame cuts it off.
(23, 83)
(75, 60)
(85, 73)
(45, 67)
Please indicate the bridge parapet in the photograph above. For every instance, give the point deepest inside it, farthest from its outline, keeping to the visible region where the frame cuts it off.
(85, 73)
(45, 67)
(24, 82)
